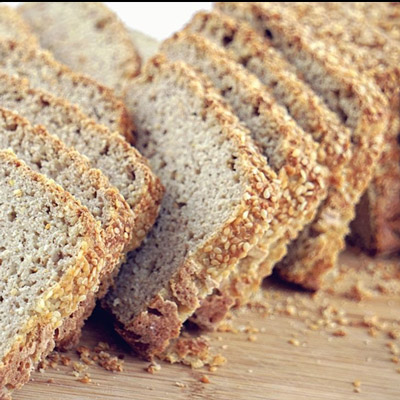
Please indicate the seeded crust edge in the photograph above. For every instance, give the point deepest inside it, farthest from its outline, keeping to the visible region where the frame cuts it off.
(374, 119)
(124, 124)
(36, 338)
(150, 331)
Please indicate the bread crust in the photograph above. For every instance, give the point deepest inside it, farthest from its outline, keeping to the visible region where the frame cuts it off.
(35, 340)
(119, 119)
(307, 267)
(150, 331)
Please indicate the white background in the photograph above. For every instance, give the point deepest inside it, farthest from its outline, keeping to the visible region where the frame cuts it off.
(158, 20)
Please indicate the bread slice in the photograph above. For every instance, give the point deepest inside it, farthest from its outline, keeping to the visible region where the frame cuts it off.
(220, 197)
(51, 257)
(145, 45)
(371, 52)
(86, 36)
(353, 97)
(43, 72)
(122, 164)
(290, 152)
(12, 26)
(46, 154)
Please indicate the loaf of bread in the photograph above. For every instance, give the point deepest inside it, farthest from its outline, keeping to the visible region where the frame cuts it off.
(51, 257)
(290, 152)
(354, 98)
(12, 26)
(43, 72)
(86, 36)
(220, 197)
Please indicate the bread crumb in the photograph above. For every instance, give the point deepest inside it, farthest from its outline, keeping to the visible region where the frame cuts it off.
(51, 380)
(340, 333)
(86, 379)
(252, 338)
(205, 379)
(357, 386)
(294, 342)
(180, 385)
(153, 368)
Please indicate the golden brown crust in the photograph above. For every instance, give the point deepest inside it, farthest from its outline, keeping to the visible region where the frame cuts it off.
(369, 108)
(121, 121)
(35, 340)
(200, 273)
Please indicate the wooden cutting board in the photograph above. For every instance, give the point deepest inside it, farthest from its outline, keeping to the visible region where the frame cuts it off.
(278, 358)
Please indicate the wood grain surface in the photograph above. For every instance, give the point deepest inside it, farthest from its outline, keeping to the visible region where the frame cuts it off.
(279, 357)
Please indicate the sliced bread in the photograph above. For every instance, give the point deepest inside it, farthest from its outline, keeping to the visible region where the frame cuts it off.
(86, 36)
(46, 154)
(371, 52)
(290, 152)
(43, 72)
(220, 197)
(51, 256)
(352, 96)
(12, 26)
(126, 169)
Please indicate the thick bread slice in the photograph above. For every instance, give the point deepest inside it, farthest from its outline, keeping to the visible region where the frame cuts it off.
(355, 99)
(86, 36)
(145, 45)
(124, 166)
(369, 51)
(52, 255)
(43, 72)
(289, 150)
(46, 154)
(12, 26)
(220, 197)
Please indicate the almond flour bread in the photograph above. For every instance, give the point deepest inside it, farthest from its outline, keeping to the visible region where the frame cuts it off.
(290, 152)
(12, 26)
(371, 52)
(86, 36)
(43, 72)
(220, 197)
(46, 154)
(354, 98)
(126, 169)
(51, 253)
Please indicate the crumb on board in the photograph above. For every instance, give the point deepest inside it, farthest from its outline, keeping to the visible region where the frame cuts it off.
(180, 385)
(357, 386)
(205, 379)
(153, 368)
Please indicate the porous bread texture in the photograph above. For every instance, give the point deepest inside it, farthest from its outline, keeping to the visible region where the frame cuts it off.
(46, 272)
(12, 26)
(290, 152)
(353, 97)
(124, 166)
(86, 36)
(145, 45)
(369, 51)
(43, 72)
(46, 154)
(214, 210)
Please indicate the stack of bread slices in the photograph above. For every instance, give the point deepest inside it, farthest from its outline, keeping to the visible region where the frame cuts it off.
(255, 135)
